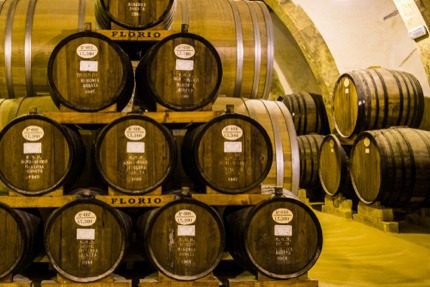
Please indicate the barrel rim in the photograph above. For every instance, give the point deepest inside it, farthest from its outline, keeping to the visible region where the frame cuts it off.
(169, 138)
(265, 135)
(70, 163)
(157, 211)
(54, 215)
(123, 93)
(148, 58)
(294, 200)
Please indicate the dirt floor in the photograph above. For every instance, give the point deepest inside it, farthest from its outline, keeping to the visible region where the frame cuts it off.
(357, 255)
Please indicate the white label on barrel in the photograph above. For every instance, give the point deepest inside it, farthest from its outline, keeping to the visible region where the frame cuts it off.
(85, 234)
(186, 230)
(85, 218)
(367, 150)
(32, 148)
(135, 147)
(33, 133)
(135, 132)
(184, 51)
(232, 132)
(87, 51)
(184, 65)
(88, 66)
(232, 146)
(185, 217)
(282, 215)
(283, 230)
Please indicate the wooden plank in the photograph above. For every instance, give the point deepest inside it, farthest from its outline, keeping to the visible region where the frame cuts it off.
(160, 280)
(136, 201)
(136, 35)
(231, 199)
(15, 281)
(110, 281)
(248, 280)
(36, 201)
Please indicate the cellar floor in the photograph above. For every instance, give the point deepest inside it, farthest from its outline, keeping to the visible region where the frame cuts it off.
(355, 254)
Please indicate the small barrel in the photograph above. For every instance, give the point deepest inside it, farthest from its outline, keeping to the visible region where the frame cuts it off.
(39, 155)
(182, 72)
(333, 169)
(135, 14)
(242, 32)
(391, 166)
(308, 112)
(86, 239)
(89, 72)
(184, 239)
(280, 237)
(20, 240)
(309, 146)
(135, 154)
(278, 123)
(231, 153)
(371, 99)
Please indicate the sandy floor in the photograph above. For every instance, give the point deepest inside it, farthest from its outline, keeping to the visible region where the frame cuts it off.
(355, 254)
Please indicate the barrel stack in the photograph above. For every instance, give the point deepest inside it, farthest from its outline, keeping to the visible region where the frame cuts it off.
(200, 123)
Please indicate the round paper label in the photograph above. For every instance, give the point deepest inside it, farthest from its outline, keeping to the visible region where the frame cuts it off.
(33, 133)
(135, 132)
(185, 217)
(85, 218)
(87, 51)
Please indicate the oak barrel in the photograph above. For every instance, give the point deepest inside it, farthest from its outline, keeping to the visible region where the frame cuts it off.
(135, 154)
(242, 33)
(182, 72)
(370, 99)
(280, 237)
(333, 169)
(135, 14)
(39, 155)
(29, 31)
(391, 166)
(86, 239)
(309, 148)
(308, 112)
(232, 153)
(184, 239)
(277, 121)
(20, 239)
(89, 72)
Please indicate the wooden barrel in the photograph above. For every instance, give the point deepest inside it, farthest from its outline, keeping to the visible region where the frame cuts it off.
(89, 72)
(377, 98)
(184, 239)
(231, 153)
(309, 147)
(135, 14)
(391, 166)
(277, 121)
(86, 239)
(280, 237)
(12, 108)
(182, 72)
(308, 112)
(39, 155)
(242, 33)
(29, 31)
(135, 154)
(333, 169)
(20, 239)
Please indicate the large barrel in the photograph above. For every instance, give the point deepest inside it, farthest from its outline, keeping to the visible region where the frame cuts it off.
(242, 33)
(86, 239)
(376, 98)
(309, 148)
(20, 239)
(391, 166)
(280, 237)
(231, 153)
(135, 154)
(181, 72)
(39, 155)
(184, 239)
(277, 121)
(89, 72)
(135, 14)
(308, 112)
(333, 169)
(29, 31)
